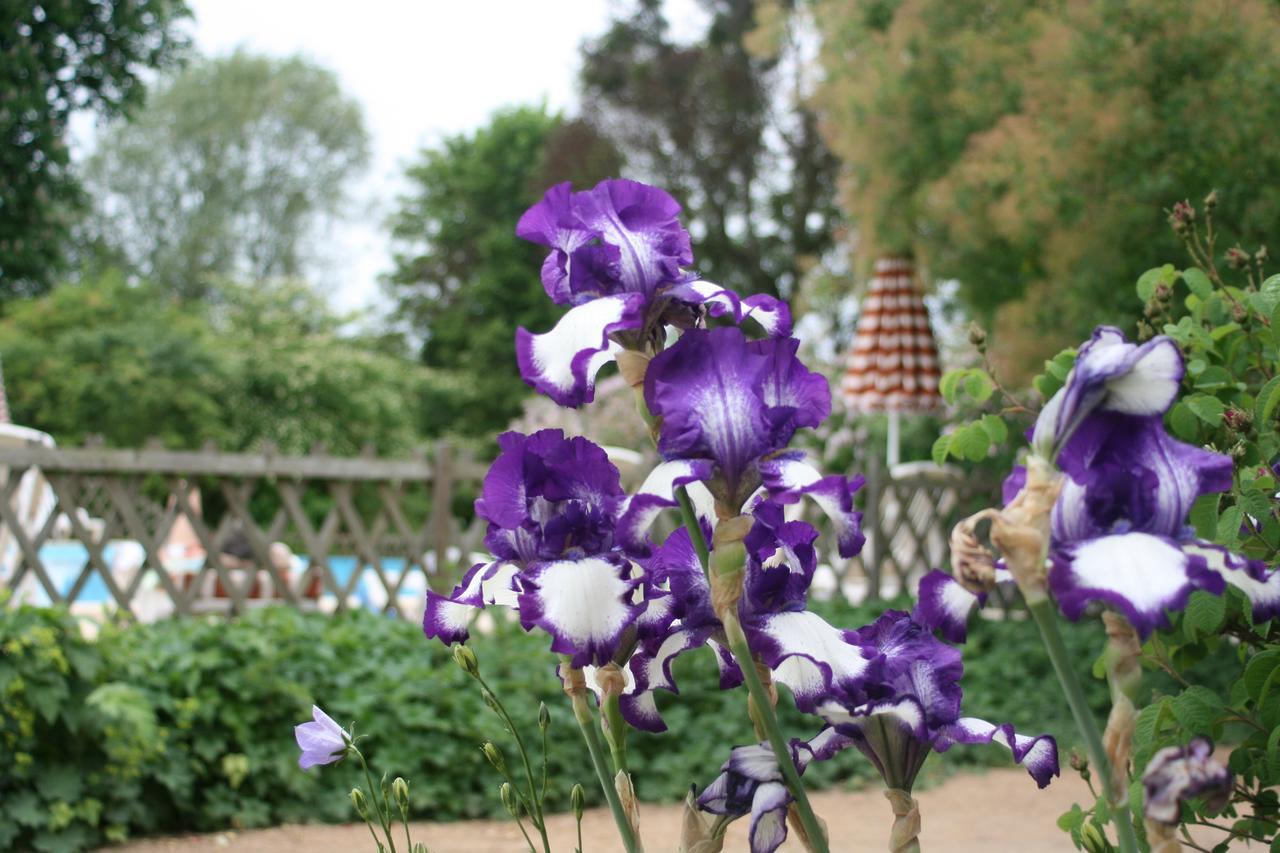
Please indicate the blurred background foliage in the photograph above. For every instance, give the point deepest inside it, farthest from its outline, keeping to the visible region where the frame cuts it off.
(1024, 150)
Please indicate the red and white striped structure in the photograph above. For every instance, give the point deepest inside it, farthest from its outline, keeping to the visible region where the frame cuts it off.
(893, 365)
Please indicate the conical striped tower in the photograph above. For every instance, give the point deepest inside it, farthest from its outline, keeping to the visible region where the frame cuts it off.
(893, 365)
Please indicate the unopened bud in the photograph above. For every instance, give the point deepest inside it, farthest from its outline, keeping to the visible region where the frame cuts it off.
(1237, 258)
(1238, 451)
(1261, 255)
(1092, 840)
(1211, 200)
(357, 800)
(494, 755)
(544, 716)
(466, 659)
(577, 799)
(400, 788)
(977, 336)
(1161, 292)
(508, 798)
(1237, 419)
(1079, 763)
(492, 702)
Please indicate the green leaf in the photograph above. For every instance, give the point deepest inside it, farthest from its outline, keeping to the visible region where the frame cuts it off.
(1205, 612)
(1229, 522)
(1269, 293)
(1268, 399)
(995, 428)
(947, 385)
(1206, 408)
(1197, 708)
(940, 448)
(1204, 516)
(1257, 671)
(1148, 280)
(1212, 378)
(1183, 422)
(979, 386)
(971, 442)
(1198, 283)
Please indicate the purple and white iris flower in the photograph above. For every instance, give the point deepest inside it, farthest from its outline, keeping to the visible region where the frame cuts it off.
(751, 782)
(804, 652)
(911, 705)
(734, 404)
(618, 257)
(322, 741)
(1118, 531)
(1176, 773)
(553, 505)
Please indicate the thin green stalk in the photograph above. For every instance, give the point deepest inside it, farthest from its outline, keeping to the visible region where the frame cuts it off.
(690, 518)
(535, 814)
(582, 713)
(781, 750)
(383, 820)
(615, 733)
(1047, 621)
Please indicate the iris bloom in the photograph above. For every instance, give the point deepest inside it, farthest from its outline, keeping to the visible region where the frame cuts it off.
(1176, 773)
(618, 257)
(553, 505)
(322, 741)
(1118, 529)
(910, 705)
(804, 652)
(734, 404)
(751, 782)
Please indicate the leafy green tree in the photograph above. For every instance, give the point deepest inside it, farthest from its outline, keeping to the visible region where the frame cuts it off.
(267, 362)
(1027, 149)
(462, 280)
(57, 57)
(229, 171)
(727, 131)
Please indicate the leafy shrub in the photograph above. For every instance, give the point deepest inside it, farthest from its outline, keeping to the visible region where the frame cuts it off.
(187, 724)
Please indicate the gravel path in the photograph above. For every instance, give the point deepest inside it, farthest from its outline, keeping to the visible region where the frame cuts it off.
(1000, 811)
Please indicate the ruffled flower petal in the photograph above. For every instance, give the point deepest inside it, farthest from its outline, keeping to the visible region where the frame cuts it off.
(772, 314)
(651, 670)
(1038, 755)
(788, 478)
(552, 223)
(585, 605)
(944, 605)
(808, 655)
(447, 618)
(1176, 773)
(656, 493)
(641, 223)
(1260, 586)
(563, 362)
(1139, 574)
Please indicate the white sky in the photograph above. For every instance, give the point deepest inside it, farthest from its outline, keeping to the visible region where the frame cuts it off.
(421, 70)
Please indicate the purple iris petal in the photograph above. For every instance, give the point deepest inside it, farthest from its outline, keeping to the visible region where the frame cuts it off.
(772, 314)
(787, 478)
(322, 741)
(1039, 755)
(780, 561)
(657, 493)
(1176, 773)
(1139, 574)
(552, 222)
(447, 618)
(1260, 586)
(1113, 375)
(1126, 473)
(943, 604)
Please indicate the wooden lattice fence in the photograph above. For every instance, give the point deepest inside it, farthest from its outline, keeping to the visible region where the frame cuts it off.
(261, 527)
(94, 528)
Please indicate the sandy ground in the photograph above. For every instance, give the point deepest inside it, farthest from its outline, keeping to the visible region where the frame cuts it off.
(993, 812)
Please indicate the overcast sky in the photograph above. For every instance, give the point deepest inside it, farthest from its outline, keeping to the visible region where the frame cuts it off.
(421, 70)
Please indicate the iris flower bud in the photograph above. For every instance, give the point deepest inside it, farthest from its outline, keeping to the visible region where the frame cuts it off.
(544, 716)
(577, 798)
(400, 788)
(508, 798)
(357, 800)
(494, 755)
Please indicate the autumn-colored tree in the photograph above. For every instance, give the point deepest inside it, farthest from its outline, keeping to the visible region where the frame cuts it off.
(1029, 148)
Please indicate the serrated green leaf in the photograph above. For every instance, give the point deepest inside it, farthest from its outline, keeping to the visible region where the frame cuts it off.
(1197, 708)
(1148, 280)
(1204, 515)
(1258, 669)
(971, 442)
(1212, 378)
(1183, 422)
(1198, 283)
(1225, 329)
(1268, 399)
(1228, 532)
(1205, 612)
(1206, 408)
(947, 385)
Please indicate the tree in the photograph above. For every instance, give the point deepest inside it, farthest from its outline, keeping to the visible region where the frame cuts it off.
(57, 57)
(727, 131)
(267, 362)
(228, 172)
(462, 280)
(1028, 149)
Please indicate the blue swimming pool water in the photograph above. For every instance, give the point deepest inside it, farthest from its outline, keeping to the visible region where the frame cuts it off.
(65, 560)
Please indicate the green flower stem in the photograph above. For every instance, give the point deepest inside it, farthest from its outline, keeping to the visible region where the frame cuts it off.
(1042, 610)
(582, 713)
(383, 820)
(690, 518)
(764, 708)
(535, 813)
(615, 732)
